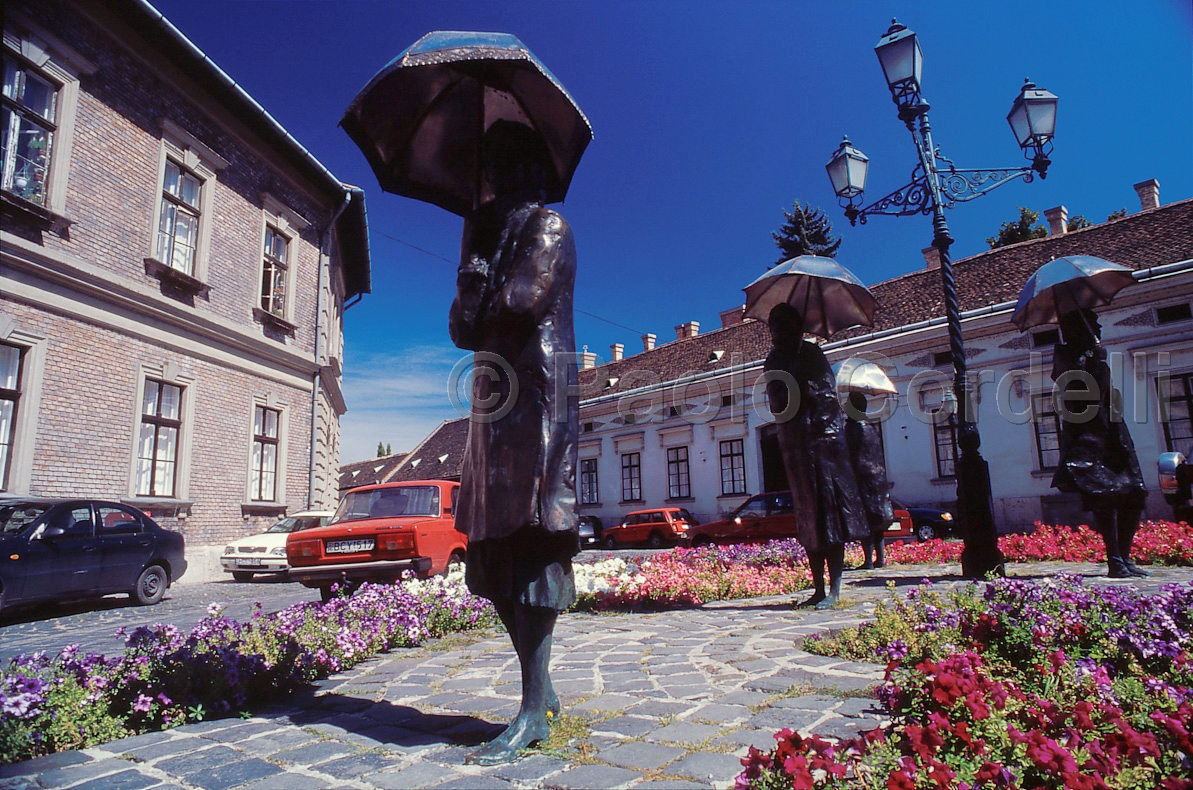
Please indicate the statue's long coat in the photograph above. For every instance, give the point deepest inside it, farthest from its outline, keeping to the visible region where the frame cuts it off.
(519, 466)
(869, 467)
(828, 509)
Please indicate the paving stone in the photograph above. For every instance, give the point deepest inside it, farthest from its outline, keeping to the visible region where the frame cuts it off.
(125, 745)
(641, 755)
(775, 719)
(697, 692)
(592, 777)
(197, 762)
(287, 781)
(606, 703)
(707, 766)
(848, 683)
(356, 765)
(125, 780)
(741, 739)
(480, 782)
(819, 702)
(40, 765)
(314, 753)
(628, 726)
(841, 727)
(683, 732)
(72, 774)
(672, 784)
(275, 742)
(420, 774)
(211, 725)
(167, 748)
(469, 684)
(742, 697)
(659, 708)
(240, 733)
(859, 706)
(530, 769)
(721, 714)
(233, 774)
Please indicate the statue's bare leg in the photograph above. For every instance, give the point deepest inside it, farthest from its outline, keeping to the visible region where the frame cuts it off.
(879, 550)
(836, 564)
(533, 626)
(506, 611)
(816, 562)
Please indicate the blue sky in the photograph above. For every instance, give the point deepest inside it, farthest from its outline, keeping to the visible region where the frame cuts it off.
(710, 118)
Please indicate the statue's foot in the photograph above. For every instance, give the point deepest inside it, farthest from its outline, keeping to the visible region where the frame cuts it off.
(522, 732)
(553, 706)
(1135, 570)
(866, 566)
(813, 601)
(828, 603)
(879, 564)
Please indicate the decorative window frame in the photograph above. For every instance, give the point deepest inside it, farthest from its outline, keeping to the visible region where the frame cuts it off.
(739, 454)
(594, 468)
(20, 470)
(179, 504)
(290, 224)
(1043, 413)
(63, 65)
(250, 506)
(188, 152)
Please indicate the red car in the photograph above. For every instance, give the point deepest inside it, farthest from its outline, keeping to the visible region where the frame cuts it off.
(656, 528)
(769, 517)
(377, 533)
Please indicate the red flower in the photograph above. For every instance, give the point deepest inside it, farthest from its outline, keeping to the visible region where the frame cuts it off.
(900, 780)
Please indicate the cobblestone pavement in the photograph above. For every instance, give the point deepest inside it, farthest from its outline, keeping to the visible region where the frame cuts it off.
(661, 700)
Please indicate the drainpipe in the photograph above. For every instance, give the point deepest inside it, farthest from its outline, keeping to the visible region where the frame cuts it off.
(319, 349)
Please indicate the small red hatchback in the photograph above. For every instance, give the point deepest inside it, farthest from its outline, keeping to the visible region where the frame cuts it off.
(377, 533)
(663, 526)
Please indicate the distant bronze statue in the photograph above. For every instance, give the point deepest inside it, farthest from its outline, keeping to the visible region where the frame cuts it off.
(1097, 456)
(518, 488)
(815, 454)
(869, 467)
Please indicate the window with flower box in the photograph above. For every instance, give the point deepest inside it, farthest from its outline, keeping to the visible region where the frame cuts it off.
(280, 232)
(30, 123)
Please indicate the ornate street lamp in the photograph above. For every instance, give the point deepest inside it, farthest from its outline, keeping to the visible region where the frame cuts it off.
(937, 184)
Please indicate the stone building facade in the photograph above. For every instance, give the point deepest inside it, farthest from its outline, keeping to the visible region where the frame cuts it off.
(174, 269)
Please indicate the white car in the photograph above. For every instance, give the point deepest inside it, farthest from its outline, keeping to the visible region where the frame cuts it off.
(266, 552)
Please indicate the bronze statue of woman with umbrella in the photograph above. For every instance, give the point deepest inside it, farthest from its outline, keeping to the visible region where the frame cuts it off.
(473, 122)
(818, 296)
(1097, 455)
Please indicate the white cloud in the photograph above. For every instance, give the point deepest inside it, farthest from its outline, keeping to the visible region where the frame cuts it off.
(396, 398)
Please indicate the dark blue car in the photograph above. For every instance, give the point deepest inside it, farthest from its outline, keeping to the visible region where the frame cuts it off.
(64, 549)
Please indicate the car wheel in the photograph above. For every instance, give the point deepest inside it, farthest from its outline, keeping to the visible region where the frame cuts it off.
(702, 541)
(655, 541)
(151, 585)
(610, 543)
(454, 563)
(326, 594)
(924, 532)
(242, 576)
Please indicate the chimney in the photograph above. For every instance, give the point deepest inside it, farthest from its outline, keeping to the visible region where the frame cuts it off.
(733, 316)
(615, 352)
(648, 341)
(1058, 220)
(1149, 194)
(931, 257)
(587, 359)
(686, 330)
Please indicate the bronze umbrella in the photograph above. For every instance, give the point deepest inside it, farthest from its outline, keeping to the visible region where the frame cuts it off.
(420, 120)
(828, 296)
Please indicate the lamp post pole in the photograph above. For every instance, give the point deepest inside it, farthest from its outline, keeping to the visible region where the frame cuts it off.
(936, 185)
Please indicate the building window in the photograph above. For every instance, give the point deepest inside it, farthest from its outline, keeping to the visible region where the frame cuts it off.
(1176, 408)
(11, 359)
(733, 467)
(178, 225)
(1174, 312)
(1047, 426)
(265, 454)
(157, 450)
(631, 477)
(589, 493)
(679, 478)
(273, 272)
(30, 115)
(945, 433)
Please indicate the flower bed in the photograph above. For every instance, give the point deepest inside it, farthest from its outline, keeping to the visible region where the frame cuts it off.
(687, 577)
(1157, 542)
(223, 667)
(1012, 684)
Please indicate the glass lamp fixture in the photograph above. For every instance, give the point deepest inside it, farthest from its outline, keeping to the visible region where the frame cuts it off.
(902, 63)
(1033, 121)
(847, 170)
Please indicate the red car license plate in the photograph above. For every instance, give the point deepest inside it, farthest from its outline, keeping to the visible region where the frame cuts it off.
(349, 546)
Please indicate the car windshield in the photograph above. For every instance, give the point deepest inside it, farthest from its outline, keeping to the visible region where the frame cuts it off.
(686, 516)
(389, 502)
(16, 516)
(285, 525)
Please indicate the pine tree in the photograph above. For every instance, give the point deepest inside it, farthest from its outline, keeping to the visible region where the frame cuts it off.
(380, 450)
(389, 449)
(805, 231)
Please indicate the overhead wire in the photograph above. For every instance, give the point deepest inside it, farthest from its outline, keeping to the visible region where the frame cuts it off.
(453, 263)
